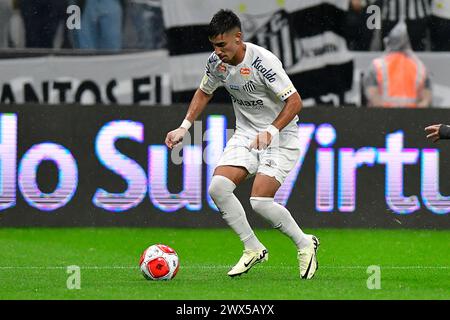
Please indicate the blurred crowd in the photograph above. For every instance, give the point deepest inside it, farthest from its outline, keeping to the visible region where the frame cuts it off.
(138, 24)
(427, 21)
(104, 24)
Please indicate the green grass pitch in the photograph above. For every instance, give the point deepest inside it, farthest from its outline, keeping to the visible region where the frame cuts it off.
(33, 264)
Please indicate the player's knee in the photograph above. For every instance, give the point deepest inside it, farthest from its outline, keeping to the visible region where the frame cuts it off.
(220, 188)
(261, 204)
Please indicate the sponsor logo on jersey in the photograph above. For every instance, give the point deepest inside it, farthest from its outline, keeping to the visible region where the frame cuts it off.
(222, 68)
(213, 58)
(252, 104)
(249, 86)
(234, 87)
(268, 74)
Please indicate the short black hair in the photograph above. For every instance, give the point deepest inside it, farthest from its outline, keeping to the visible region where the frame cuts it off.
(223, 21)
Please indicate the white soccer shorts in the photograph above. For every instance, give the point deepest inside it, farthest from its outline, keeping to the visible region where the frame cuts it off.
(275, 161)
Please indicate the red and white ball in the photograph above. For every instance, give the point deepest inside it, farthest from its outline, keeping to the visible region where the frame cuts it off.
(159, 262)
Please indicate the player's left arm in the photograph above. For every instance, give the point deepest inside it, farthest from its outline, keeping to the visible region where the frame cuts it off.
(292, 108)
(282, 87)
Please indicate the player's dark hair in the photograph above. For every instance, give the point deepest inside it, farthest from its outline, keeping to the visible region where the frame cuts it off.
(222, 22)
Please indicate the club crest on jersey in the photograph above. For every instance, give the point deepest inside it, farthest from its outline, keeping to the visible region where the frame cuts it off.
(245, 73)
(266, 73)
(249, 86)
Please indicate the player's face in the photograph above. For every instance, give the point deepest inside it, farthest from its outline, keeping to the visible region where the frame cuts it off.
(226, 45)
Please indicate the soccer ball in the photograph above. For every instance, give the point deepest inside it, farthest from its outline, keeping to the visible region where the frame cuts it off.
(159, 262)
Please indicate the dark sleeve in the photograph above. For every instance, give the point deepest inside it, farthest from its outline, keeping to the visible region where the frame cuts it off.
(444, 132)
(427, 83)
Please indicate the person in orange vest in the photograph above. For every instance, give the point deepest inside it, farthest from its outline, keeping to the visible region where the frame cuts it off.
(398, 78)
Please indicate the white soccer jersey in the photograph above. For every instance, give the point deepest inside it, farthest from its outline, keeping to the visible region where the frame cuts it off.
(258, 87)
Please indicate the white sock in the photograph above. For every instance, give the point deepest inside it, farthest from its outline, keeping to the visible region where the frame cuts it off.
(221, 191)
(280, 218)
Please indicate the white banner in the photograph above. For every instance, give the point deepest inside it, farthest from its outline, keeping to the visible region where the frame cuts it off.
(137, 78)
(145, 79)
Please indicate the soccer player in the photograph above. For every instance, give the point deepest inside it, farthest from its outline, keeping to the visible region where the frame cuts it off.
(438, 131)
(265, 143)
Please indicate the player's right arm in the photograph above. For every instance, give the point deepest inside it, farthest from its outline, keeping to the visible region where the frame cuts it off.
(202, 96)
(196, 107)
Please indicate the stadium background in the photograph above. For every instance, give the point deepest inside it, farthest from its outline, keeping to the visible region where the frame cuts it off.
(119, 149)
(62, 111)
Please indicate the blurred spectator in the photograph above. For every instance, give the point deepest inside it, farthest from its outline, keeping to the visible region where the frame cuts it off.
(41, 19)
(357, 34)
(16, 30)
(398, 78)
(415, 13)
(440, 25)
(101, 24)
(147, 23)
(6, 12)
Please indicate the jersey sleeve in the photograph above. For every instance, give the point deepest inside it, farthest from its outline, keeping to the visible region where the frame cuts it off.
(277, 79)
(210, 82)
